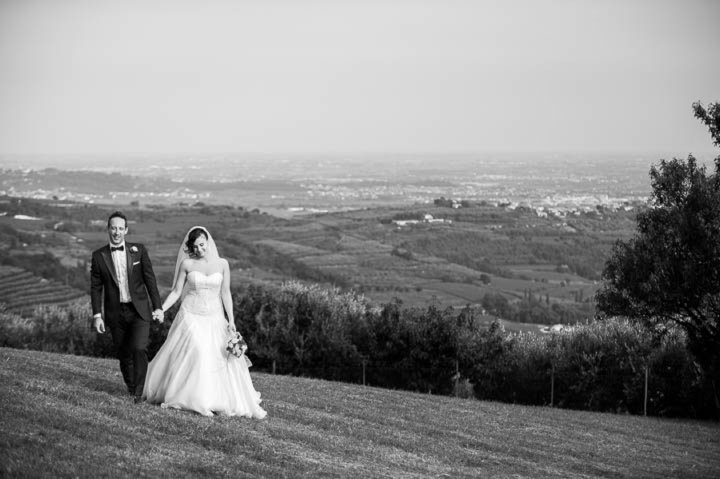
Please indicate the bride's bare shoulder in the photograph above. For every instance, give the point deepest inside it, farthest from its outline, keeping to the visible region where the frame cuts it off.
(220, 263)
(186, 263)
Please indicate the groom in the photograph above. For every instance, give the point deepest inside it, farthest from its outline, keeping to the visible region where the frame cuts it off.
(121, 280)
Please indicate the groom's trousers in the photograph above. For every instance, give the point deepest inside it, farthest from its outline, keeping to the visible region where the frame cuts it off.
(131, 337)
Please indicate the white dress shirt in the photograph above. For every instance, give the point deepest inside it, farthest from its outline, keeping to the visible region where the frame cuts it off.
(120, 262)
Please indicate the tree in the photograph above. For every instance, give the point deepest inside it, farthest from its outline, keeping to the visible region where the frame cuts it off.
(669, 272)
(711, 118)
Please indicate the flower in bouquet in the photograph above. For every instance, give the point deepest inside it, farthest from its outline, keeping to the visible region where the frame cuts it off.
(237, 346)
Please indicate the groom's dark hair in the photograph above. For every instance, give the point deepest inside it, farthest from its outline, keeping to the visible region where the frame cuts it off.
(117, 214)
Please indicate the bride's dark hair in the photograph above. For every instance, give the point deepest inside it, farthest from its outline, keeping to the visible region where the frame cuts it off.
(192, 236)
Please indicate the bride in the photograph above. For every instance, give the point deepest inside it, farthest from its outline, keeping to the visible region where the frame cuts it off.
(192, 370)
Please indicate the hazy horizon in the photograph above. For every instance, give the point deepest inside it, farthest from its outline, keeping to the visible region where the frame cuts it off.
(131, 161)
(287, 184)
(339, 77)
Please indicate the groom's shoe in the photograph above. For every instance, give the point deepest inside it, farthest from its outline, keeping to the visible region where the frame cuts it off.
(138, 399)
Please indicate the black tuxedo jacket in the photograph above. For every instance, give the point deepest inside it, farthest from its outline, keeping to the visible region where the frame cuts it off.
(104, 289)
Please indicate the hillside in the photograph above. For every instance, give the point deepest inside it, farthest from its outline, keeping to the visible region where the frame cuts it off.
(546, 266)
(66, 416)
(21, 291)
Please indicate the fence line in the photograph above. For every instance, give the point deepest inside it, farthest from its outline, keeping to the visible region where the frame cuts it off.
(645, 394)
(366, 370)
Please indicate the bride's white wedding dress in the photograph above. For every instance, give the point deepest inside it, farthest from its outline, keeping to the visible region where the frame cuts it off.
(192, 370)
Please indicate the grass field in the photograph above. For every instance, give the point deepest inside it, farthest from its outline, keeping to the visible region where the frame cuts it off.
(67, 416)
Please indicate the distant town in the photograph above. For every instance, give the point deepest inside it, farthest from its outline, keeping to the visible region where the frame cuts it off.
(547, 196)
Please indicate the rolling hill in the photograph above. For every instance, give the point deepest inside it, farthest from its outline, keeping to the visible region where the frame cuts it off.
(21, 291)
(479, 250)
(67, 416)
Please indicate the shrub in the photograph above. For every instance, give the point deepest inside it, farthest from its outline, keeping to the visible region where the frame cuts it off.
(308, 330)
(302, 329)
(62, 329)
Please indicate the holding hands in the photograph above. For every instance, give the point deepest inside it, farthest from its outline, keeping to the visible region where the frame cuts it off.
(158, 315)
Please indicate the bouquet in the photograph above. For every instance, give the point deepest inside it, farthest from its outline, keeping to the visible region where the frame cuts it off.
(237, 346)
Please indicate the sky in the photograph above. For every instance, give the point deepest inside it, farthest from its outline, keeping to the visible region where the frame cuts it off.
(351, 76)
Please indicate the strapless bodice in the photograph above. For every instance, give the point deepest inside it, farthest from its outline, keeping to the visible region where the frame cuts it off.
(202, 295)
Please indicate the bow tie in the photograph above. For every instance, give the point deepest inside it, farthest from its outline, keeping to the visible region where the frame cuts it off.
(117, 248)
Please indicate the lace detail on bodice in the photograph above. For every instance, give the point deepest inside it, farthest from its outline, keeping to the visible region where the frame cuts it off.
(203, 293)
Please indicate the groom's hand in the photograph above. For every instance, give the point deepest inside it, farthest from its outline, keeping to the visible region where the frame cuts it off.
(99, 324)
(158, 315)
